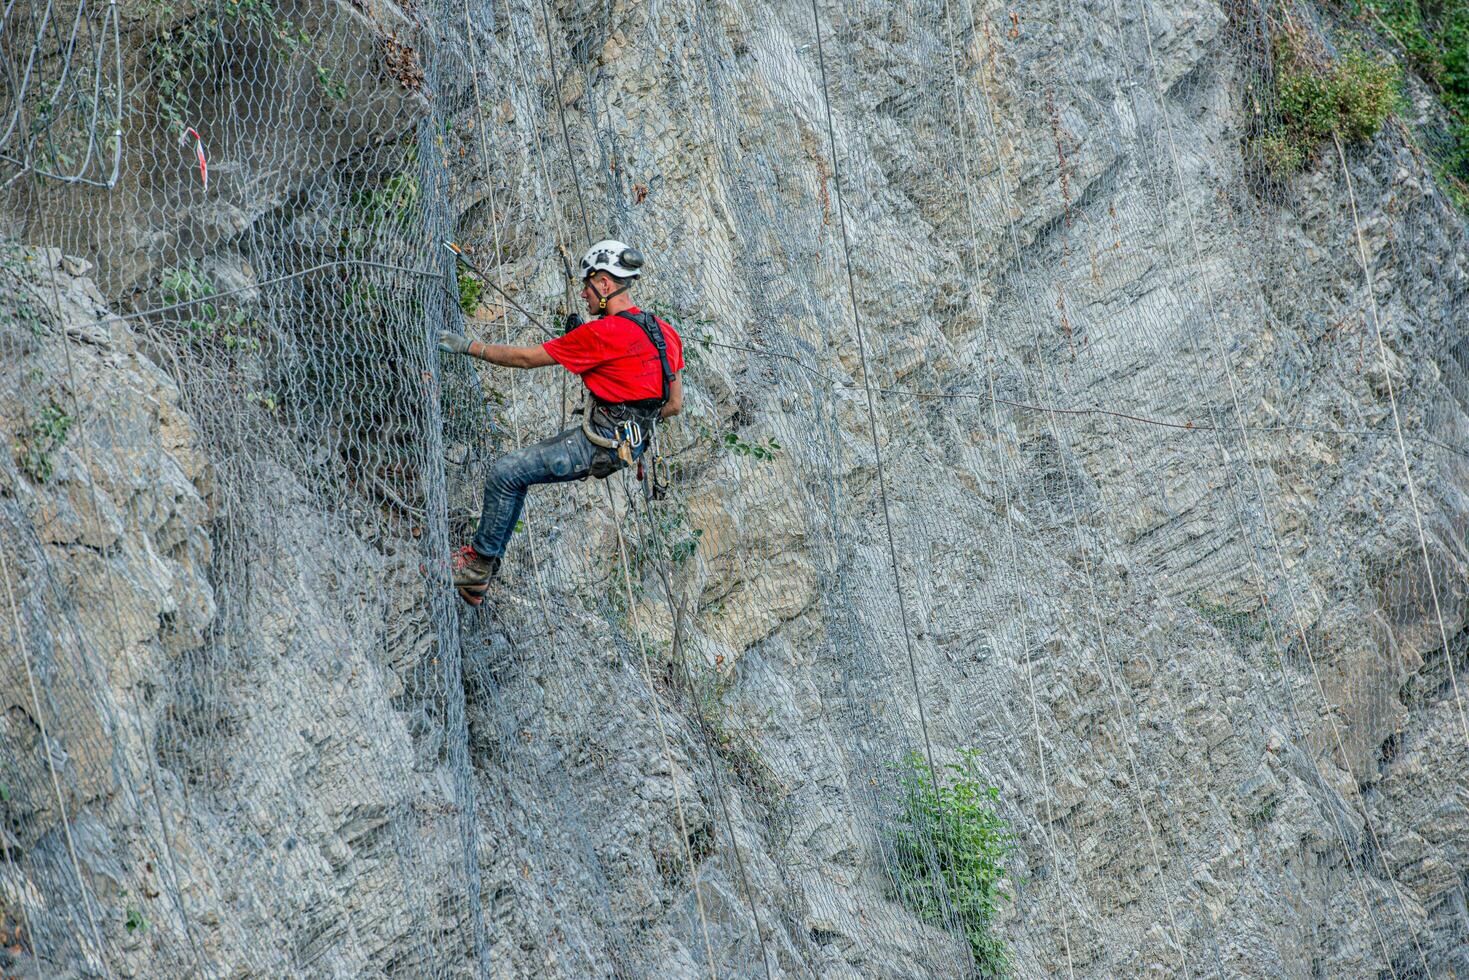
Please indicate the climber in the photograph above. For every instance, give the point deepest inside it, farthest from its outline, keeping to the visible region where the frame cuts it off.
(629, 361)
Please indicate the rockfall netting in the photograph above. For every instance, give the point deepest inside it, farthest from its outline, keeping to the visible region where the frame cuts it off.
(1011, 426)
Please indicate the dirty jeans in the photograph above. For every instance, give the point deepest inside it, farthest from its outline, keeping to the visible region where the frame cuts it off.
(559, 459)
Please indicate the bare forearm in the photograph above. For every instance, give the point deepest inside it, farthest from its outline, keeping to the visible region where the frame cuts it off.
(501, 354)
(505, 355)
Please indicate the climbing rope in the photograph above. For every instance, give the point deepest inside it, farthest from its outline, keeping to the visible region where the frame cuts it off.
(1262, 494)
(871, 407)
(660, 549)
(1397, 420)
(586, 226)
(1331, 813)
(683, 825)
(1047, 829)
(39, 717)
(622, 547)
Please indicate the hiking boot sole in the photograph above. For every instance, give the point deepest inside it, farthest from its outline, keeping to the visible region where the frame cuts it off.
(473, 594)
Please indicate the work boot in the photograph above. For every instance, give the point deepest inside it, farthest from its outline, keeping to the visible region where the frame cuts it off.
(473, 573)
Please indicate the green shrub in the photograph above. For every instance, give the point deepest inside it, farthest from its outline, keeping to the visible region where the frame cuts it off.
(1351, 96)
(1433, 37)
(950, 845)
(470, 289)
(1366, 92)
(203, 321)
(36, 443)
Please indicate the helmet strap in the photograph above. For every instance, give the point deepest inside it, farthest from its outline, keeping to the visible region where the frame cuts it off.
(602, 304)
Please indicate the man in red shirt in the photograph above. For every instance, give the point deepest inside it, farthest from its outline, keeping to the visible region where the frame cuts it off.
(629, 361)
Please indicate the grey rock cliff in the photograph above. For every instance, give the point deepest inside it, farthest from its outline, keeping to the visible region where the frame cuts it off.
(1202, 659)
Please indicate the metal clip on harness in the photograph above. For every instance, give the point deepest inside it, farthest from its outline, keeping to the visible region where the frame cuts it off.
(595, 437)
(629, 434)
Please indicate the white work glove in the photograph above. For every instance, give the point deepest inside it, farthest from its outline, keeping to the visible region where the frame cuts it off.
(453, 343)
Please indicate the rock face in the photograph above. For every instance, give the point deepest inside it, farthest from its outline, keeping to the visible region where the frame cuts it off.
(1015, 421)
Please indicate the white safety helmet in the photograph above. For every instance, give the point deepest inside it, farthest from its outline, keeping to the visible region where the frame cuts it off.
(614, 258)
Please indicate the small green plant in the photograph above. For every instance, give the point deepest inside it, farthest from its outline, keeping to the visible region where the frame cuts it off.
(4, 793)
(1262, 816)
(950, 846)
(185, 285)
(181, 56)
(205, 321)
(21, 310)
(1280, 156)
(1240, 626)
(38, 441)
(470, 289)
(684, 548)
(696, 345)
(671, 537)
(677, 533)
(134, 920)
(333, 86)
(1351, 96)
(1433, 39)
(68, 123)
(391, 206)
(762, 451)
(265, 399)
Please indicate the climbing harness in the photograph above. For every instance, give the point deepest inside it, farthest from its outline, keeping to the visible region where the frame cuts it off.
(630, 422)
(629, 427)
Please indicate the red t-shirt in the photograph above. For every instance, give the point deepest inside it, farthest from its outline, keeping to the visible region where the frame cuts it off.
(615, 358)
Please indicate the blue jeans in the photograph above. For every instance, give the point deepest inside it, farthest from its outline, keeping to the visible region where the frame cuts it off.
(559, 459)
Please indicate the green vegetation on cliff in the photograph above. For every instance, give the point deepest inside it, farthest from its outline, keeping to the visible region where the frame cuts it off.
(950, 845)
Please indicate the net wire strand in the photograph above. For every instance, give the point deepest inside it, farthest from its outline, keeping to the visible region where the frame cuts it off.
(1239, 415)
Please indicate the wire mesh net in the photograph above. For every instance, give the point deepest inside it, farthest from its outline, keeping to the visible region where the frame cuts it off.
(1042, 499)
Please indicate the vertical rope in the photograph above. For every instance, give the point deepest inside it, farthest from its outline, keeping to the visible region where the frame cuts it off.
(1397, 421)
(40, 719)
(887, 518)
(1239, 415)
(1330, 813)
(586, 225)
(112, 592)
(683, 826)
(1047, 830)
(677, 654)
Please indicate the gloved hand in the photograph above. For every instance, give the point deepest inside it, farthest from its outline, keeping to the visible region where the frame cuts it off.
(571, 323)
(453, 343)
